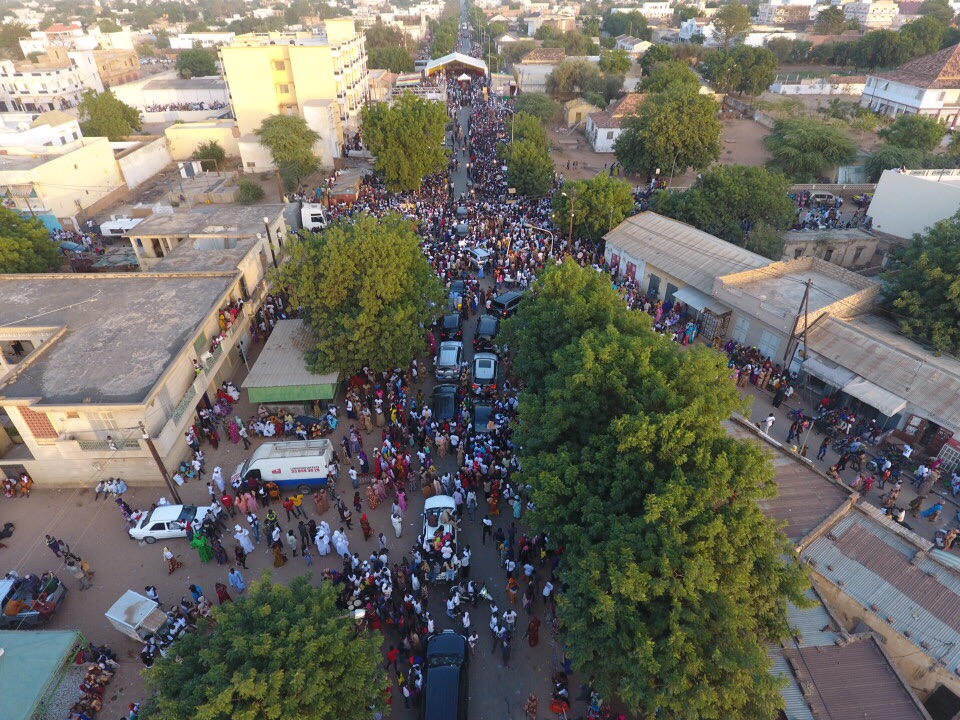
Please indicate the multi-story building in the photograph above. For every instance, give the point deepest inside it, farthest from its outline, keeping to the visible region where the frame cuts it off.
(872, 15)
(82, 413)
(38, 87)
(287, 73)
(929, 85)
(38, 132)
(187, 41)
(784, 12)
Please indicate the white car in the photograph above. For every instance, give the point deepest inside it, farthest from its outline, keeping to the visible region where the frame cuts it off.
(438, 515)
(167, 521)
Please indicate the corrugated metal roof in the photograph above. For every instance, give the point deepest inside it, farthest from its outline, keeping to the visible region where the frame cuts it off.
(796, 707)
(281, 363)
(813, 627)
(873, 566)
(693, 256)
(854, 680)
(868, 347)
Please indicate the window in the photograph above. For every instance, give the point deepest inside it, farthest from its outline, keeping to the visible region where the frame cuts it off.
(828, 254)
(886, 86)
(609, 134)
(798, 253)
(279, 65)
(283, 88)
(740, 329)
(858, 253)
(941, 95)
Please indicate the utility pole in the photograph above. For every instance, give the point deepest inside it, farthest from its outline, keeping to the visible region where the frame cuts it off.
(570, 235)
(791, 345)
(279, 185)
(156, 458)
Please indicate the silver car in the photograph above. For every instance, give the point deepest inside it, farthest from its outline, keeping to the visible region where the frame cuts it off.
(448, 363)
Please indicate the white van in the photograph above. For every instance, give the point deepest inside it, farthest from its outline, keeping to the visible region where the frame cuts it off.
(439, 515)
(298, 463)
(313, 216)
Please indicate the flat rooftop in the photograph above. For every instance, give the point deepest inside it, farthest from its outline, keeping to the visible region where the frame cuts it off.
(208, 220)
(206, 255)
(174, 83)
(120, 331)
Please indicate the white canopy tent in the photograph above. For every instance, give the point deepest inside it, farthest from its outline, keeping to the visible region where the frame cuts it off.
(440, 63)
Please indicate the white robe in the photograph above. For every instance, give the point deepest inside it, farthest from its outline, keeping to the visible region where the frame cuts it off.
(341, 543)
(323, 543)
(243, 537)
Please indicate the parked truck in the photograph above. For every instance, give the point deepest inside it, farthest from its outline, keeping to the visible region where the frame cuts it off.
(298, 463)
(136, 616)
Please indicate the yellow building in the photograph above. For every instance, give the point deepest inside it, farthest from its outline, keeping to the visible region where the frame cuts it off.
(288, 72)
(63, 185)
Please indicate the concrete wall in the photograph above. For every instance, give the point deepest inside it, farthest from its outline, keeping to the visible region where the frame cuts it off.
(904, 205)
(143, 162)
(183, 116)
(184, 139)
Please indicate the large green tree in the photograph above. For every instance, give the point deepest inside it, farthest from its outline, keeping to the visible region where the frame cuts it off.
(937, 9)
(25, 245)
(805, 149)
(367, 292)
(598, 204)
(573, 77)
(915, 131)
(830, 21)
(742, 70)
(889, 157)
(673, 578)
(395, 59)
(922, 286)
(530, 168)
(407, 139)
(674, 130)
(105, 115)
(730, 22)
(653, 56)
(626, 23)
(669, 74)
(290, 142)
(277, 652)
(10, 34)
(617, 62)
(928, 32)
(524, 126)
(729, 200)
(197, 62)
(539, 105)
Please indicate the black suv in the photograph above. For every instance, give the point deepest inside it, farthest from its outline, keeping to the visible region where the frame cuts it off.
(488, 327)
(444, 401)
(446, 682)
(451, 327)
(506, 304)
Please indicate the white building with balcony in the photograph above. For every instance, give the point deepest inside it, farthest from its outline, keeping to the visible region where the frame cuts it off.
(29, 87)
(929, 85)
(872, 15)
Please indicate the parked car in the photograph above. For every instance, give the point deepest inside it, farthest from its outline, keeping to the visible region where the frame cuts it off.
(479, 257)
(446, 682)
(449, 360)
(22, 593)
(480, 416)
(167, 521)
(451, 327)
(506, 304)
(486, 373)
(455, 295)
(488, 327)
(444, 402)
(822, 198)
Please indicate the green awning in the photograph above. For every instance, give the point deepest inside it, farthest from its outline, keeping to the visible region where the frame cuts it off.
(280, 373)
(292, 393)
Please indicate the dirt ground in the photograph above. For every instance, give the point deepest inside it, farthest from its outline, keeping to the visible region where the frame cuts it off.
(742, 144)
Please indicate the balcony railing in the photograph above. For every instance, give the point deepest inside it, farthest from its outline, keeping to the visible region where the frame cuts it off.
(185, 404)
(104, 446)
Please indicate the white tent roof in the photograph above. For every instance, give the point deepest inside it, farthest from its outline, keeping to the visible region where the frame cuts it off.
(473, 62)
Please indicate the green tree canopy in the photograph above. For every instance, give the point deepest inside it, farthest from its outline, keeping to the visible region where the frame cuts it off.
(626, 23)
(290, 142)
(830, 21)
(731, 21)
(196, 63)
(249, 192)
(278, 652)
(524, 126)
(633, 474)
(380, 36)
(653, 56)
(407, 139)
(25, 245)
(888, 156)
(914, 131)
(617, 62)
(105, 115)
(790, 51)
(108, 26)
(573, 42)
(726, 199)
(512, 52)
(669, 74)
(805, 149)
(599, 204)
(537, 104)
(396, 59)
(530, 168)
(928, 32)
(940, 10)
(367, 292)
(573, 77)
(445, 36)
(742, 70)
(674, 130)
(10, 34)
(923, 287)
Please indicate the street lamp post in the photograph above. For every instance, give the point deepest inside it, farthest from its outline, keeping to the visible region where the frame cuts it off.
(570, 232)
(145, 436)
(541, 229)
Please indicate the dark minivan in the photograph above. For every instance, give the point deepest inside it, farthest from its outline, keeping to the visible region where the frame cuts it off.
(505, 305)
(446, 683)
